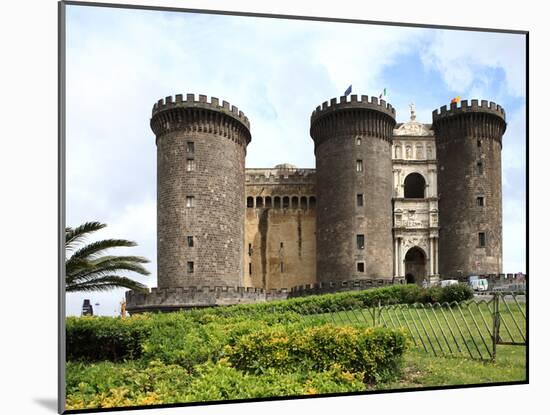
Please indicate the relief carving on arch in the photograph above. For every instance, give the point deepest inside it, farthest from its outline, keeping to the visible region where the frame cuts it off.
(416, 240)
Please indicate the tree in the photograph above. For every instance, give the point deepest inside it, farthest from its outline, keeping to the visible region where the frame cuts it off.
(88, 269)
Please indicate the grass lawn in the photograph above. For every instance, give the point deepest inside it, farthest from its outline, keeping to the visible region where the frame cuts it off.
(423, 370)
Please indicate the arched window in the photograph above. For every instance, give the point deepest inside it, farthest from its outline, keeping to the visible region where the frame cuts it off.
(268, 201)
(277, 204)
(294, 202)
(414, 186)
(312, 202)
(259, 202)
(249, 202)
(303, 202)
(286, 202)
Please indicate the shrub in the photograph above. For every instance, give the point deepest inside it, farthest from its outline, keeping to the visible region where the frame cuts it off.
(375, 352)
(106, 338)
(456, 292)
(106, 384)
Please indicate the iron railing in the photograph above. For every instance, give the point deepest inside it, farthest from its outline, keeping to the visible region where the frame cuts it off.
(472, 328)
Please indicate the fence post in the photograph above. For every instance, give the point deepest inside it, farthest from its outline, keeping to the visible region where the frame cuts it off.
(496, 324)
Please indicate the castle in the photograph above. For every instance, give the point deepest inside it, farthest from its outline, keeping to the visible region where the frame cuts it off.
(387, 203)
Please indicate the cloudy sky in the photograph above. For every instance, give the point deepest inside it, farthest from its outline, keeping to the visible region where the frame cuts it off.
(119, 62)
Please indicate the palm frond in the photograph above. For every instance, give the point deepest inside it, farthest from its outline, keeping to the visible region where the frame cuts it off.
(73, 236)
(87, 270)
(107, 283)
(97, 248)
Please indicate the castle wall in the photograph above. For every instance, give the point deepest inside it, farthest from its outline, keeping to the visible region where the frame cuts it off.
(280, 241)
(469, 145)
(353, 157)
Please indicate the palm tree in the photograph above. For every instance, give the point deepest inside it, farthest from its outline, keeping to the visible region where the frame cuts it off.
(88, 269)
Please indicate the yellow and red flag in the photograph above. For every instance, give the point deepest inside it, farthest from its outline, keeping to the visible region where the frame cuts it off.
(455, 100)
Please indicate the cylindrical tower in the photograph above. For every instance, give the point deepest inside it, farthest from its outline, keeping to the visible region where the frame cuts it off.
(354, 188)
(201, 149)
(469, 143)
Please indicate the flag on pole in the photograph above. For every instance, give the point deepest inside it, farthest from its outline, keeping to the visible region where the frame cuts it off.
(383, 94)
(348, 91)
(455, 100)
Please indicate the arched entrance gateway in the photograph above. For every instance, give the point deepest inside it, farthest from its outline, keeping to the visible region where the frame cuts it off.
(415, 266)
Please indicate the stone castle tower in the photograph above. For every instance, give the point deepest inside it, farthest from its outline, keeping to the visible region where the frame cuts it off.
(387, 203)
(469, 143)
(354, 188)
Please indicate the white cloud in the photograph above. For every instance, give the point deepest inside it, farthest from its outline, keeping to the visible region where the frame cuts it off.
(462, 58)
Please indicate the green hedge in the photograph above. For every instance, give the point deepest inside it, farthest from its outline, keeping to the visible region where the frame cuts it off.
(106, 338)
(375, 352)
(192, 337)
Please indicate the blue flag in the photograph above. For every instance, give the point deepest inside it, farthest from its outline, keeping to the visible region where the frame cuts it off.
(348, 91)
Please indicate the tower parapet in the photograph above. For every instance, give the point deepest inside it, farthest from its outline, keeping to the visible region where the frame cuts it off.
(469, 143)
(371, 117)
(354, 188)
(487, 120)
(177, 114)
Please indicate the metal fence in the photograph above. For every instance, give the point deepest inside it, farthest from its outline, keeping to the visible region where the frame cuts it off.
(472, 328)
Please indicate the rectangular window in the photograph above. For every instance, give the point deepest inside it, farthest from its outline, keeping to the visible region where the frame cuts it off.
(190, 241)
(190, 165)
(482, 240)
(358, 141)
(359, 199)
(360, 267)
(282, 268)
(479, 143)
(480, 167)
(190, 267)
(359, 165)
(480, 201)
(250, 268)
(190, 201)
(360, 241)
(190, 147)
(281, 244)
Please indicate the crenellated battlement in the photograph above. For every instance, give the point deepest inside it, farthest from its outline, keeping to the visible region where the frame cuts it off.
(202, 102)
(366, 117)
(365, 102)
(472, 107)
(177, 298)
(340, 286)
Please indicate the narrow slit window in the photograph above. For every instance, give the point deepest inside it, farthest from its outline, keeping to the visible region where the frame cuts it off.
(190, 242)
(360, 241)
(249, 249)
(281, 245)
(250, 268)
(482, 239)
(359, 165)
(190, 267)
(282, 267)
(359, 199)
(480, 167)
(190, 201)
